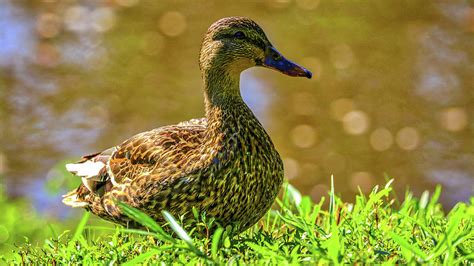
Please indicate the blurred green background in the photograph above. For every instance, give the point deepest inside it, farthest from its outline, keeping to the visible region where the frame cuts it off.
(392, 93)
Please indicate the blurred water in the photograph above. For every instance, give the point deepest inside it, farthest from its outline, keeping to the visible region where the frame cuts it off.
(392, 92)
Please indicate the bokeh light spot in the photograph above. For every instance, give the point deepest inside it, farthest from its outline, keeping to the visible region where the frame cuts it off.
(319, 191)
(103, 19)
(303, 136)
(364, 180)
(48, 25)
(75, 18)
(356, 122)
(407, 138)
(454, 119)
(153, 43)
(381, 139)
(172, 23)
(341, 56)
(291, 167)
(340, 107)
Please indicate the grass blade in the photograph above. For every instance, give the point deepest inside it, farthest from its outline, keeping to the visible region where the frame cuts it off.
(140, 217)
(215, 242)
(142, 257)
(294, 194)
(81, 226)
(332, 202)
(182, 233)
(144, 220)
(404, 244)
(177, 228)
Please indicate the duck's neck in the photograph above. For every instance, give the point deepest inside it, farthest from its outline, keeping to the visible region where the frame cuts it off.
(224, 104)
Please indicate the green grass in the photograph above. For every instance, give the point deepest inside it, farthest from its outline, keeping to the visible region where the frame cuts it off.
(377, 228)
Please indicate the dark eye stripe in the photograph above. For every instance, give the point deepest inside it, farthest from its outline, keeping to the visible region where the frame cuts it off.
(223, 36)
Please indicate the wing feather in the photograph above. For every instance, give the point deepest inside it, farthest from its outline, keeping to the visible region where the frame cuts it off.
(159, 152)
(162, 149)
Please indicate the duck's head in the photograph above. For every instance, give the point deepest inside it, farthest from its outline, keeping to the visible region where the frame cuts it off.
(234, 44)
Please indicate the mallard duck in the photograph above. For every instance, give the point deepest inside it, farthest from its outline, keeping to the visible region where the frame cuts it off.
(224, 164)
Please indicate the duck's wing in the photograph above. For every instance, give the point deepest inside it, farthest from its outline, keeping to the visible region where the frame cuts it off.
(161, 153)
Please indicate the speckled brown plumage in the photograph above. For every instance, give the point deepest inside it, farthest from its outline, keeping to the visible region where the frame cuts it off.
(224, 164)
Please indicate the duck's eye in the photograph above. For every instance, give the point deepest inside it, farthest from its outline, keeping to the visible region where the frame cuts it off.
(239, 35)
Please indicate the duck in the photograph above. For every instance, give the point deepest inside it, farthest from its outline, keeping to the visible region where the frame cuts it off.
(224, 165)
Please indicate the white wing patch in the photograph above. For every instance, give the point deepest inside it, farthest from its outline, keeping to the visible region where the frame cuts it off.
(86, 169)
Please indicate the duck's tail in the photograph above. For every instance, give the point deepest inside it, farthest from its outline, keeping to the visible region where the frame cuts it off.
(93, 172)
(74, 200)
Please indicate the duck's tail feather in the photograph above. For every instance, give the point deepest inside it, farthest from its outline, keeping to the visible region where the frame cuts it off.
(78, 197)
(92, 169)
(72, 199)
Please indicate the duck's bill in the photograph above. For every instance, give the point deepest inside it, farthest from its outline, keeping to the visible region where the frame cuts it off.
(274, 60)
